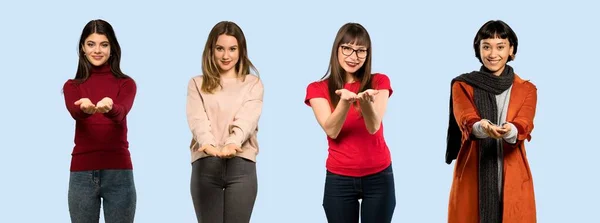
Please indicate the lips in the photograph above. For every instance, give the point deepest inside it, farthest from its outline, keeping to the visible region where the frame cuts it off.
(97, 57)
(351, 64)
(493, 62)
(225, 62)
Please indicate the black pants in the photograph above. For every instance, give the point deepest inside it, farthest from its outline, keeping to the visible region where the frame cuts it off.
(376, 191)
(223, 190)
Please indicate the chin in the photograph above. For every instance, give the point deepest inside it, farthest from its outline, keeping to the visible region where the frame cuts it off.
(350, 70)
(225, 69)
(97, 64)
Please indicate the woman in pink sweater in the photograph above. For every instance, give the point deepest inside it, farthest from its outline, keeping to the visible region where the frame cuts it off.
(223, 108)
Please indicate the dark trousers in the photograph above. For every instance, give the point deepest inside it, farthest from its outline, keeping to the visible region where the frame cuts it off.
(377, 192)
(223, 190)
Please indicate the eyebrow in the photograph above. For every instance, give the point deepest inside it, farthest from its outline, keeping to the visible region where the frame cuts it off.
(360, 47)
(488, 43)
(225, 47)
(90, 41)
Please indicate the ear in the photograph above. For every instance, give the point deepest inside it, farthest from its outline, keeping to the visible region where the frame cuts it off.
(512, 54)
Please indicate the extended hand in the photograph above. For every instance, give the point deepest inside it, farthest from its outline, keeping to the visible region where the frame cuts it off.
(86, 106)
(210, 150)
(229, 151)
(492, 130)
(506, 128)
(346, 95)
(104, 105)
(367, 95)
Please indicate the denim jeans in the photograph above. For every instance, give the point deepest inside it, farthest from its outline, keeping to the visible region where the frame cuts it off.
(116, 189)
(377, 192)
(223, 190)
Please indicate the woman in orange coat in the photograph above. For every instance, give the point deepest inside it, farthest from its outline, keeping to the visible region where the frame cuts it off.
(491, 115)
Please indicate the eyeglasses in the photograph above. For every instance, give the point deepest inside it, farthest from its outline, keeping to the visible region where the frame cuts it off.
(360, 53)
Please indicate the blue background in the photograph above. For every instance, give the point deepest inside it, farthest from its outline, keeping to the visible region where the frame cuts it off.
(421, 45)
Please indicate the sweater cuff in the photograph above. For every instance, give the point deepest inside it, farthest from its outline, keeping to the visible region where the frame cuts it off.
(511, 137)
(478, 131)
(235, 137)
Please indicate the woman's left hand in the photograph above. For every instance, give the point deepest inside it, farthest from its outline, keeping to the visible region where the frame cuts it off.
(229, 151)
(367, 95)
(104, 105)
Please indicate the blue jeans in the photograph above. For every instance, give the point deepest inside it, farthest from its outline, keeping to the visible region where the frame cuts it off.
(377, 192)
(115, 187)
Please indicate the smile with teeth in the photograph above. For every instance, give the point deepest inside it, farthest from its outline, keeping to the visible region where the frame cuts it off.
(493, 61)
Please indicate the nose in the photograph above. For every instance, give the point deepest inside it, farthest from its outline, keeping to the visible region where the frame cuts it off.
(226, 54)
(493, 53)
(97, 49)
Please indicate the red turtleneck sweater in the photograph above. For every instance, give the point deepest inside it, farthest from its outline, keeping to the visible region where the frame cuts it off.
(101, 138)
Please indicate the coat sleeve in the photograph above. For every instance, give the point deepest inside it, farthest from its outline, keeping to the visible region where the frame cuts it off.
(464, 110)
(523, 121)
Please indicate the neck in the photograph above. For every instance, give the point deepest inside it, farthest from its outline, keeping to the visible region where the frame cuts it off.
(350, 77)
(499, 72)
(495, 73)
(230, 74)
(102, 69)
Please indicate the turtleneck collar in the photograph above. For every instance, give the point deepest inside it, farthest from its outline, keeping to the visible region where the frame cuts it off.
(101, 70)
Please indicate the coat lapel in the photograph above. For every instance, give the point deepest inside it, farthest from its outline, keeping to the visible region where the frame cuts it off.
(517, 98)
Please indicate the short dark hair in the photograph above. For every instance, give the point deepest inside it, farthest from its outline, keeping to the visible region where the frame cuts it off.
(495, 29)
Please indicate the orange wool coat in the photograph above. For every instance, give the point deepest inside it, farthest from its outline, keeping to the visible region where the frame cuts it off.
(519, 199)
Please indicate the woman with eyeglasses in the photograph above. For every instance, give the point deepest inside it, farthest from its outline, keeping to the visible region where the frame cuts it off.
(349, 103)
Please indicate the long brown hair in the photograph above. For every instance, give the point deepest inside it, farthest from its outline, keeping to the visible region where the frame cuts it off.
(349, 33)
(211, 78)
(102, 27)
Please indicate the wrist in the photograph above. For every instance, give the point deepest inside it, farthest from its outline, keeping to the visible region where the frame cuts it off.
(344, 103)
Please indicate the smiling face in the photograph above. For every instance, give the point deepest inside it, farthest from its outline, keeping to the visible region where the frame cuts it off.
(495, 53)
(226, 53)
(97, 49)
(351, 57)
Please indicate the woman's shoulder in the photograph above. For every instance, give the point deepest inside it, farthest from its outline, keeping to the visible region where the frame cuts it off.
(252, 79)
(379, 76)
(525, 82)
(319, 84)
(71, 81)
(197, 79)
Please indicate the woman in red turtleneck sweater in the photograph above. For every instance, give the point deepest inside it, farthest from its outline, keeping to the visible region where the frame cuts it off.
(99, 98)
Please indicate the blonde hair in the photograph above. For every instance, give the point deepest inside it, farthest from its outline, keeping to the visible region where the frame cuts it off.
(211, 78)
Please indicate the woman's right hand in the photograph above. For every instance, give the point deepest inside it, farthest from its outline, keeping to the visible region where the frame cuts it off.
(210, 150)
(493, 131)
(86, 105)
(346, 95)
